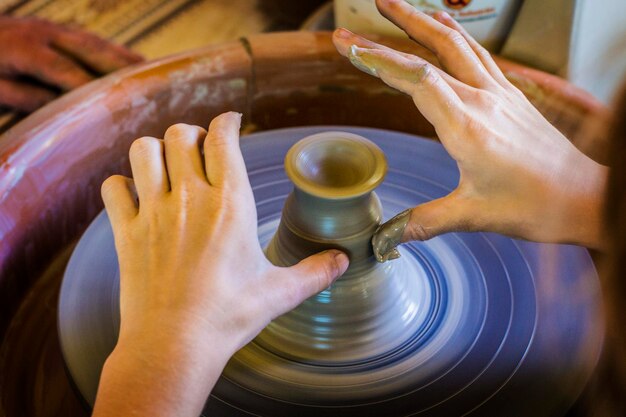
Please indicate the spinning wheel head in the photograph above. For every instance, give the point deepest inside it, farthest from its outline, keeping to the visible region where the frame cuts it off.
(464, 323)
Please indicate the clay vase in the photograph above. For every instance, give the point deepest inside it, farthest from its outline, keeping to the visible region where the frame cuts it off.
(333, 205)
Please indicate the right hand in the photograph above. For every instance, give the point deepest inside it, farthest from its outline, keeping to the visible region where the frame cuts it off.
(195, 285)
(518, 174)
(39, 59)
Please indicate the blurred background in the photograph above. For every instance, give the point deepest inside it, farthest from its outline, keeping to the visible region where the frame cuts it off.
(581, 40)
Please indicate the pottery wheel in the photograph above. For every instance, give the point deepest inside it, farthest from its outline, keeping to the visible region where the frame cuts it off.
(499, 326)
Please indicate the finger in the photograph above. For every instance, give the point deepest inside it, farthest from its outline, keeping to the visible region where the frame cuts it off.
(432, 95)
(450, 47)
(53, 68)
(119, 196)
(222, 156)
(96, 53)
(344, 49)
(23, 97)
(182, 153)
(148, 167)
(446, 214)
(482, 54)
(344, 39)
(295, 284)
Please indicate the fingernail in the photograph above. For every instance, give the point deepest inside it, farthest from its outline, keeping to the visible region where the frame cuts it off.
(388, 236)
(355, 55)
(236, 114)
(342, 261)
(342, 33)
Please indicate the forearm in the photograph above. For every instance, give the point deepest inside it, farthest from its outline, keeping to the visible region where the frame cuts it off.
(159, 377)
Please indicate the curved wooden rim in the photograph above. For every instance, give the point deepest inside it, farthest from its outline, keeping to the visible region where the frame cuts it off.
(53, 162)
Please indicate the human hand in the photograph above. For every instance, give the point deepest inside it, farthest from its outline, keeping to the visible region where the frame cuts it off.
(195, 285)
(518, 174)
(40, 58)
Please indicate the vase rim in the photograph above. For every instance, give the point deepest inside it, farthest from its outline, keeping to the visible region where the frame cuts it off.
(336, 165)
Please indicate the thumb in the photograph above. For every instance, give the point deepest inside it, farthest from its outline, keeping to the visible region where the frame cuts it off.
(447, 214)
(307, 278)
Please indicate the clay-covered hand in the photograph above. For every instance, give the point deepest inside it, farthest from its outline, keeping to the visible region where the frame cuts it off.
(195, 285)
(518, 174)
(39, 59)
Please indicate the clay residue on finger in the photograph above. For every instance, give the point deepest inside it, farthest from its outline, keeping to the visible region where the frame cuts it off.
(399, 67)
(357, 61)
(389, 235)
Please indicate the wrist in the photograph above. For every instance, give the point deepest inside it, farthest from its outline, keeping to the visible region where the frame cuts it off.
(155, 373)
(580, 205)
(166, 336)
(181, 325)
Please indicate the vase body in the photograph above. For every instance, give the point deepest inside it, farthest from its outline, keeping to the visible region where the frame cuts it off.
(311, 224)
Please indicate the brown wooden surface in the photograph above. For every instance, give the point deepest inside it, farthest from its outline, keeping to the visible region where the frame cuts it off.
(52, 165)
(158, 28)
